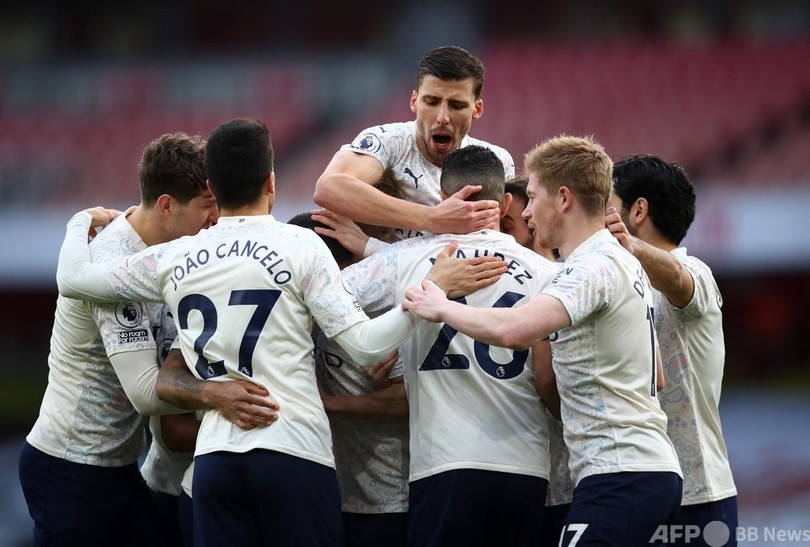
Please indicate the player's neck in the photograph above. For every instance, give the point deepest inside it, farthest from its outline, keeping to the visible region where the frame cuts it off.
(577, 231)
(257, 209)
(146, 226)
(652, 236)
(495, 226)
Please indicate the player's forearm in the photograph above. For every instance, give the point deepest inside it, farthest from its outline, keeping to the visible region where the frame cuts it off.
(177, 386)
(388, 403)
(138, 372)
(78, 277)
(369, 341)
(73, 259)
(493, 326)
(666, 273)
(362, 202)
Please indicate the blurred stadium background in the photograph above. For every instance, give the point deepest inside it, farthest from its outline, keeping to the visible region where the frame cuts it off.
(721, 86)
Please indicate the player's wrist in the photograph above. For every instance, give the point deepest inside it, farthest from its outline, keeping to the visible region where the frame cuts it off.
(429, 280)
(82, 218)
(432, 218)
(209, 394)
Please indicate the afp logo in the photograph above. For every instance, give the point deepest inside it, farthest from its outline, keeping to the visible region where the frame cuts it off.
(129, 314)
(367, 143)
(714, 534)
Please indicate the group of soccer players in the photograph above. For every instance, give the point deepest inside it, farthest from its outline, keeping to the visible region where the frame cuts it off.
(498, 396)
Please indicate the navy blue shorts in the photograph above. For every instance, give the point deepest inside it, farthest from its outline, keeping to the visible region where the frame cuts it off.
(376, 529)
(263, 497)
(474, 507)
(168, 521)
(553, 521)
(619, 509)
(88, 505)
(186, 516)
(703, 515)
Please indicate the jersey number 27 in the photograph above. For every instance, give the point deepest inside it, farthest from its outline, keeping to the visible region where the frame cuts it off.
(263, 299)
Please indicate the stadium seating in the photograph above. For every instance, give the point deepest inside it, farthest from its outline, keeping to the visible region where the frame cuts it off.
(74, 136)
(684, 102)
(690, 103)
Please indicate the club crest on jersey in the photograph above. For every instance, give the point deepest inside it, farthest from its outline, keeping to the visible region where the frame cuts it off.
(129, 314)
(163, 348)
(368, 143)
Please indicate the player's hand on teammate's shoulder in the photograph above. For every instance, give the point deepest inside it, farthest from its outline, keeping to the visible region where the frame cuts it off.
(454, 215)
(100, 217)
(425, 301)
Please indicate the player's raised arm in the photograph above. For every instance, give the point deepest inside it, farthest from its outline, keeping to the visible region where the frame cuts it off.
(78, 277)
(101, 217)
(667, 274)
(346, 187)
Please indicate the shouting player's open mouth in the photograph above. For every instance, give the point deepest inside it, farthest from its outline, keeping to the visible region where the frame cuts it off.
(441, 142)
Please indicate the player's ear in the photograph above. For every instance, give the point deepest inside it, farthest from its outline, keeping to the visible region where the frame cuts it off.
(478, 109)
(507, 202)
(164, 204)
(270, 183)
(413, 101)
(639, 211)
(566, 197)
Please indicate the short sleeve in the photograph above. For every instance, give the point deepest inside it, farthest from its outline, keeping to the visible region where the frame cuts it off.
(584, 285)
(373, 141)
(123, 326)
(705, 293)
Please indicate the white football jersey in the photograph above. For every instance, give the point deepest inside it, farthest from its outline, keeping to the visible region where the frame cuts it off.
(371, 457)
(472, 406)
(605, 363)
(85, 416)
(560, 485)
(693, 352)
(163, 468)
(394, 146)
(243, 294)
